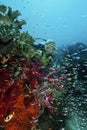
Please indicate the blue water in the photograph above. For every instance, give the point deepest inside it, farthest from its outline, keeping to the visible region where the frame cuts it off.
(64, 21)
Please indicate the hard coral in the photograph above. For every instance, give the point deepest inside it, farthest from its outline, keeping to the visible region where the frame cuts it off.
(9, 25)
(24, 44)
(50, 47)
(25, 38)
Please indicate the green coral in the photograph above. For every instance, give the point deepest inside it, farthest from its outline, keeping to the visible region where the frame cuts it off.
(9, 24)
(50, 47)
(25, 38)
(25, 50)
(13, 14)
(24, 44)
(7, 32)
(45, 60)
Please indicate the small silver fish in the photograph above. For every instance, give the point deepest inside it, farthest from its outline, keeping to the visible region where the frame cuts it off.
(83, 70)
(69, 74)
(84, 64)
(84, 50)
(77, 58)
(68, 55)
(69, 79)
(74, 54)
(85, 76)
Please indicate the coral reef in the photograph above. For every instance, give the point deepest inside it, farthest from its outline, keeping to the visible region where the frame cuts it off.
(32, 80)
(27, 78)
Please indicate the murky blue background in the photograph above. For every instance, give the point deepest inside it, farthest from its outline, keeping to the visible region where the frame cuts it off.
(64, 21)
